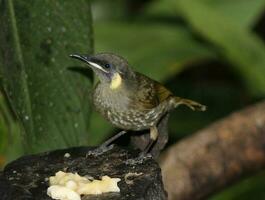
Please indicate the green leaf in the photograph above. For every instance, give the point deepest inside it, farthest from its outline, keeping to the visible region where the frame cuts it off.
(242, 12)
(159, 51)
(49, 100)
(10, 138)
(3, 126)
(241, 47)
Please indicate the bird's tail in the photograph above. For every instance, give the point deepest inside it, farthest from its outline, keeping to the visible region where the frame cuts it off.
(191, 104)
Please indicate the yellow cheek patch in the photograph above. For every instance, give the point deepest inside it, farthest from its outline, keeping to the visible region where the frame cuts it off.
(116, 81)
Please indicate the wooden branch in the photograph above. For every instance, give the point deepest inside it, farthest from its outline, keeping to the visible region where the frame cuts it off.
(217, 156)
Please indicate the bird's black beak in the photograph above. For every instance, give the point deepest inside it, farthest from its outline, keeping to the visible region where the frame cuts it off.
(88, 60)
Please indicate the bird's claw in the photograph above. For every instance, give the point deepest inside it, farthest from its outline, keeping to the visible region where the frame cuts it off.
(196, 106)
(99, 150)
(138, 160)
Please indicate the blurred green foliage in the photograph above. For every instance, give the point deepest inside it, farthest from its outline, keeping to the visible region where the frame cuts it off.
(242, 48)
(206, 50)
(250, 188)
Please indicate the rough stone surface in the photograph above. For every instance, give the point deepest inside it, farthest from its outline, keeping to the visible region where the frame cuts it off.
(24, 179)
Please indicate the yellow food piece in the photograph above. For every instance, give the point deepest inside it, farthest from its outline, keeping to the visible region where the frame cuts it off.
(69, 186)
(62, 193)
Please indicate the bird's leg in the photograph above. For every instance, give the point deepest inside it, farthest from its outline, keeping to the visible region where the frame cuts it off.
(153, 138)
(161, 141)
(113, 138)
(141, 141)
(146, 153)
(106, 146)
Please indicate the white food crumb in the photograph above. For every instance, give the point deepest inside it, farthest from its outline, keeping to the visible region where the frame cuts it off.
(67, 155)
(69, 186)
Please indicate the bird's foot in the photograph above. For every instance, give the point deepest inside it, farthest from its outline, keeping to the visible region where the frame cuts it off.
(99, 150)
(106, 146)
(139, 160)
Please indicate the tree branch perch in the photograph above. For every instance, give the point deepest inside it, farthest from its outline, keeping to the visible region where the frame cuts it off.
(216, 156)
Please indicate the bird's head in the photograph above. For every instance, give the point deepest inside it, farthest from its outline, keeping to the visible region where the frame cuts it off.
(110, 68)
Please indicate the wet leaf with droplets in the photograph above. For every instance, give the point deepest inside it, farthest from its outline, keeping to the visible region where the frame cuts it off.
(36, 38)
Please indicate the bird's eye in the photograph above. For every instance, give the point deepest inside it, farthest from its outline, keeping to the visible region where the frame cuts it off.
(107, 66)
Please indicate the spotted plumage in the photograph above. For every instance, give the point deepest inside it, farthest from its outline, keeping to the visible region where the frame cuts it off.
(138, 109)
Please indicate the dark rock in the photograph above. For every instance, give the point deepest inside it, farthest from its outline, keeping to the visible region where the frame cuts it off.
(24, 179)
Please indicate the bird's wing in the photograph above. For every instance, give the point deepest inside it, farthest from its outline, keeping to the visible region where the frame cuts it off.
(149, 93)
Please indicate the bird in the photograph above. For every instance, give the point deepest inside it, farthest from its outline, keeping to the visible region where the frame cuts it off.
(128, 99)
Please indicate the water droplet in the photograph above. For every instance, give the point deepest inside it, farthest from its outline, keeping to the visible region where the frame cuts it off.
(53, 59)
(76, 125)
(38, 117)
(48, 41)
(26, 117)
(63, 29)
(51, 104)
(49, 29)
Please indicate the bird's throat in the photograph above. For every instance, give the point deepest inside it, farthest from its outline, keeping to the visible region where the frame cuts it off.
(116, 81)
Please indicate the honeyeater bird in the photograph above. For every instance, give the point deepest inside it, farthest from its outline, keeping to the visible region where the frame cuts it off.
(128, 99)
